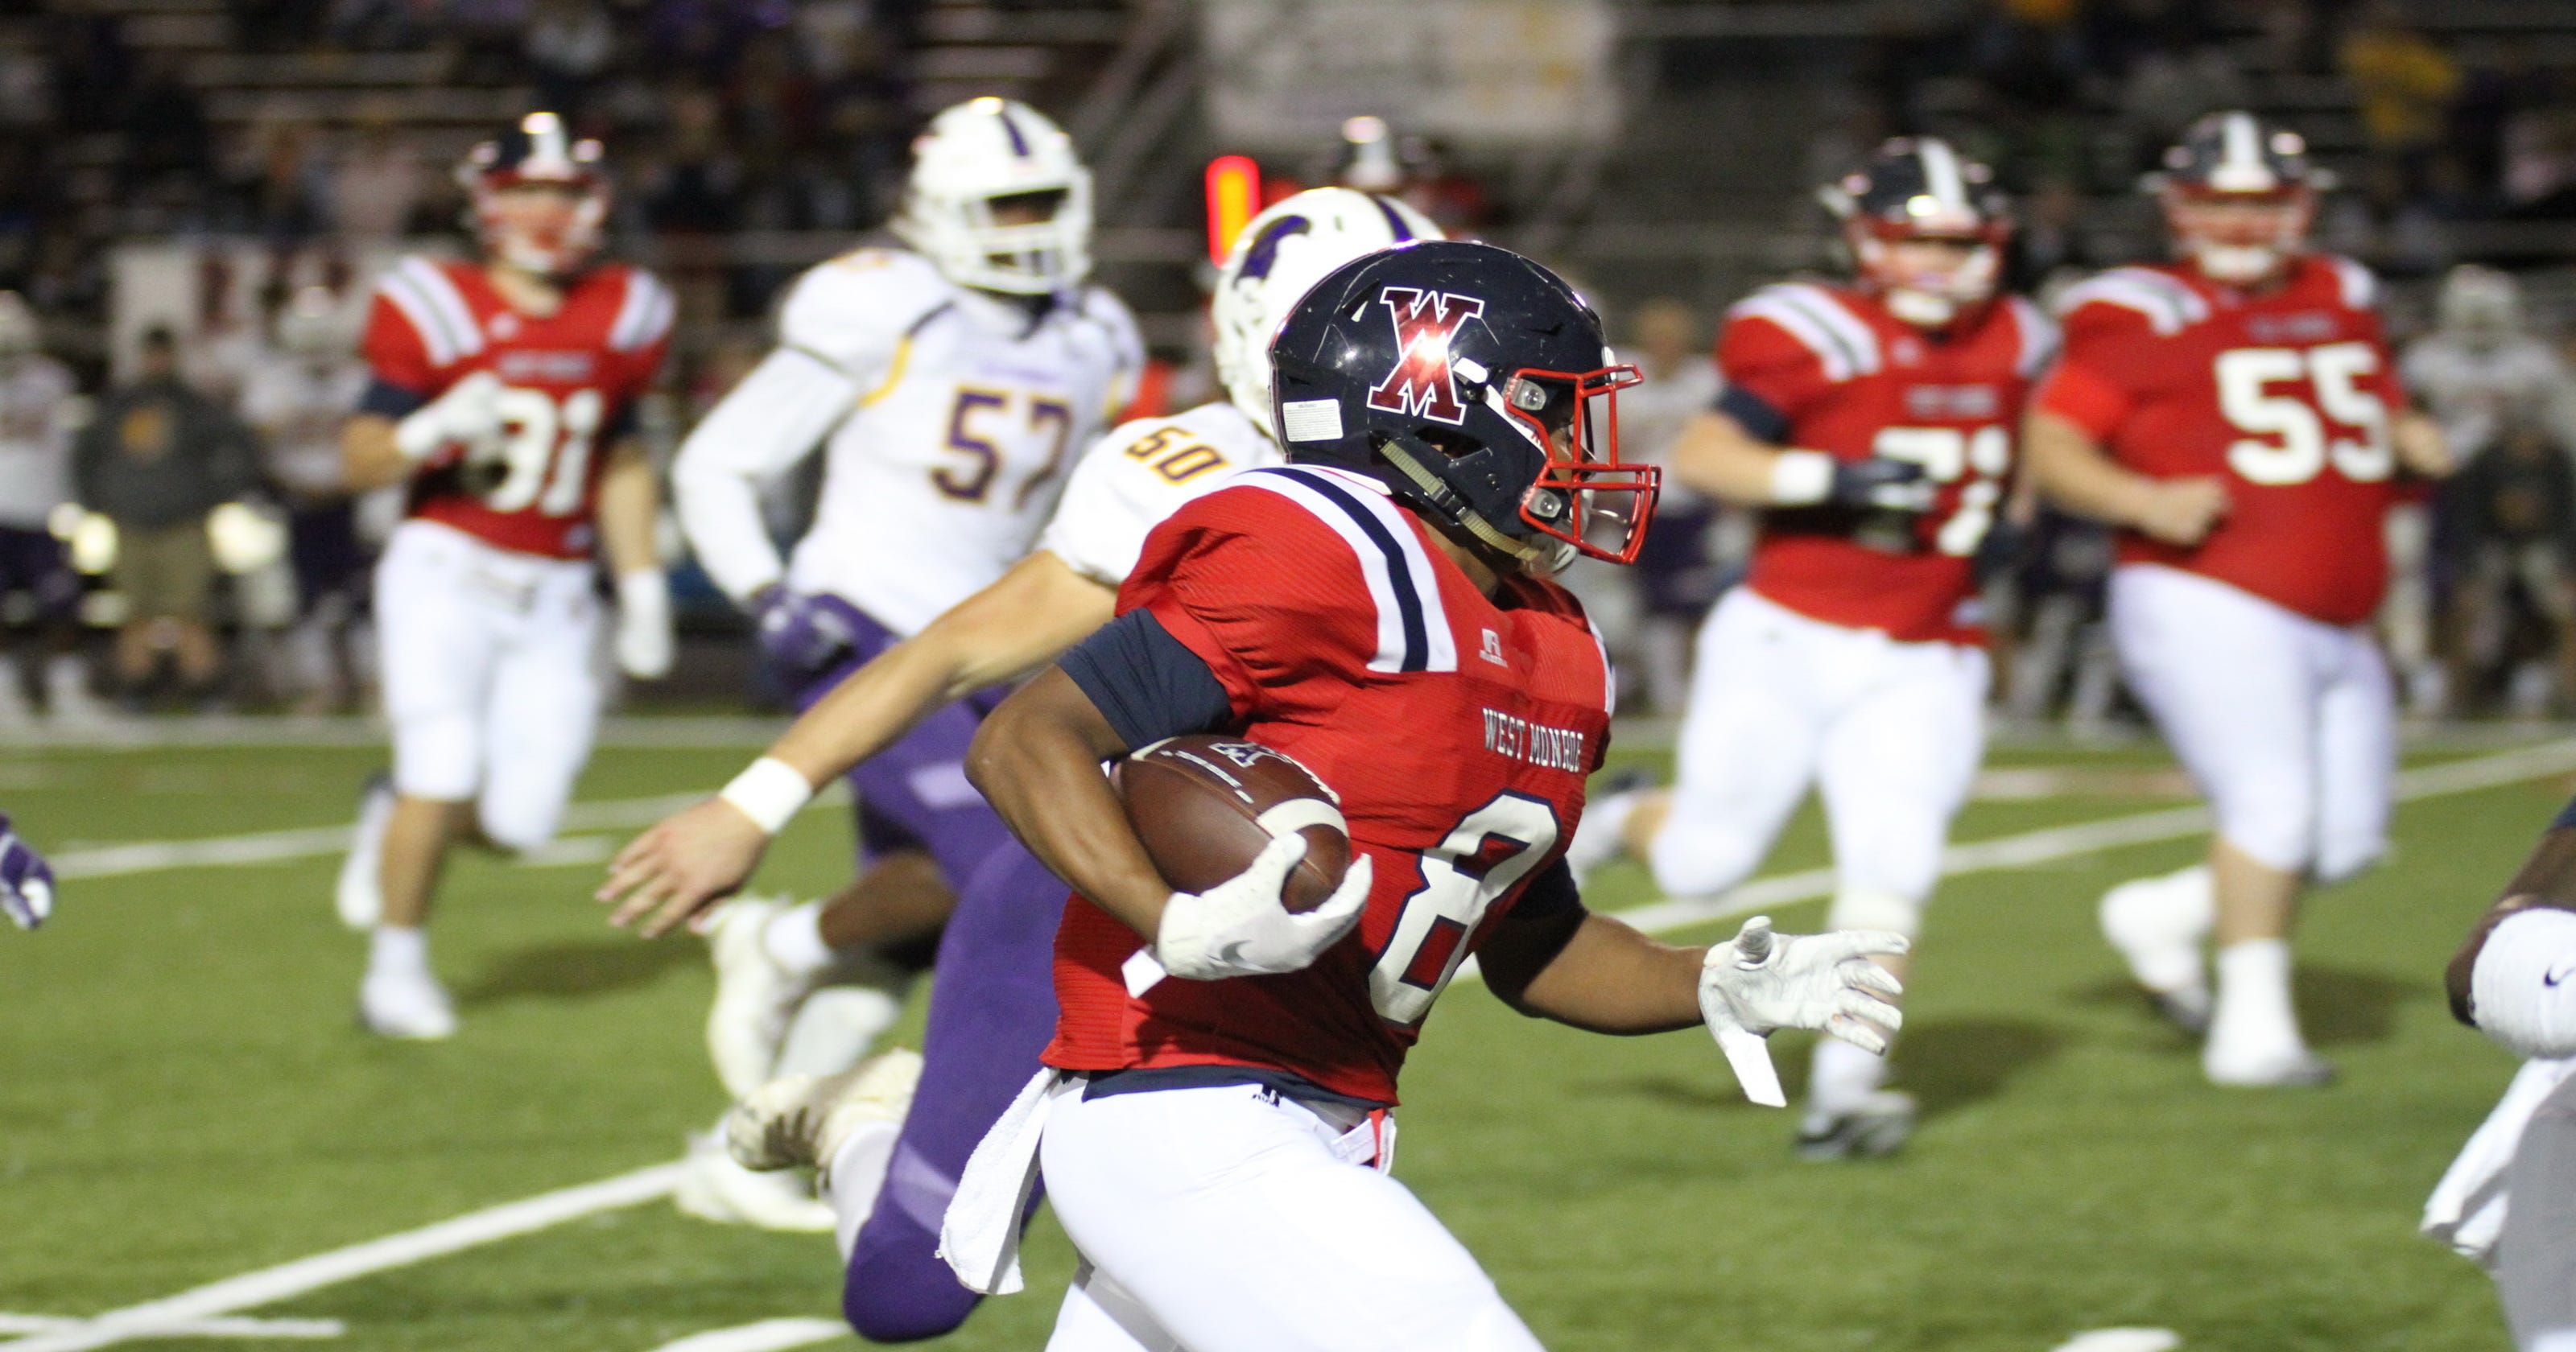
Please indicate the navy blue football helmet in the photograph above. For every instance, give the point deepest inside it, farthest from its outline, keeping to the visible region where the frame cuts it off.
(1475, 384)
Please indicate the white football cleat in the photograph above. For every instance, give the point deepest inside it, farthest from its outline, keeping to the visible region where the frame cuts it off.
(405, 1003)
(1876, 1125)
(800, 1121)
(756, 996)
(2159, 926)
(714, 1188)
(2277, 1067)
(360, 895)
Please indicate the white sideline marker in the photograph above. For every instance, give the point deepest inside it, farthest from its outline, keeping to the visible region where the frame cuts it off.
(769, 1335)
(170, 1316)
(2123, 1340)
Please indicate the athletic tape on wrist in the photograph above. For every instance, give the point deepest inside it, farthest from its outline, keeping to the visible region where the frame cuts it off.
(770, 792)
(1801, 478)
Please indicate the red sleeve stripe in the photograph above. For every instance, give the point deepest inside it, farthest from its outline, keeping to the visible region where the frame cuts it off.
(1412, 626)
(645, 315)
(1844, 345)
(2170, 306)
(428, 298)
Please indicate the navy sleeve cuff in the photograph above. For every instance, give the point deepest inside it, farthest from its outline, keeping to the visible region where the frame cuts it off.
(1148, 684)
(2566, 817)
(1756, 416)
(1551, 893)
(389, 399)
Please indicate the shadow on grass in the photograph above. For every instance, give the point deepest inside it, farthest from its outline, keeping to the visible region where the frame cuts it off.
(574, 971)
(1952, 1063)
(2338, 1006)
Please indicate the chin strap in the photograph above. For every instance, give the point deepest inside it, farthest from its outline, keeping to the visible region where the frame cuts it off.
(1445, 499)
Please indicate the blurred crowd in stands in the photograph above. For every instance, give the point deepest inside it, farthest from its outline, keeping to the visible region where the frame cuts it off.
(731, 116)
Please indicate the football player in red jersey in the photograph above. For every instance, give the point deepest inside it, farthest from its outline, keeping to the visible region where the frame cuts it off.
(504, 394)
(1873, 423)
(1213, 1129)
(2236, 414)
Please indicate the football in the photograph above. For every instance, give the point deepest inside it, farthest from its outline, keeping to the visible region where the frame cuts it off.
(1204, 806)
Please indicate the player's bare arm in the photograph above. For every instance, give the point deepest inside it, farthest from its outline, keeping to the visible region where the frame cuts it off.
(368, 457)
(1717, 455)
(2420, 445)
(1037, 761)
(2075, 472)
(630, 504)
(1592, 972)
(704, 853)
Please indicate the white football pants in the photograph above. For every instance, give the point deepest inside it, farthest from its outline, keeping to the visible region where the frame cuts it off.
(2288, 724)
(1220, 1220)
(489, 676)
(1889, 732)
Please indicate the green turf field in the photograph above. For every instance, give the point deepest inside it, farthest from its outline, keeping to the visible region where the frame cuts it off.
(183, 1099)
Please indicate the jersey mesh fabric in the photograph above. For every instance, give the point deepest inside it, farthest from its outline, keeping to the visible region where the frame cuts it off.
(1281, 603)
(2142, 373)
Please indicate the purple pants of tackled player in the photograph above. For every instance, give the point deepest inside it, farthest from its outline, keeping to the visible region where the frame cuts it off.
(992, 999)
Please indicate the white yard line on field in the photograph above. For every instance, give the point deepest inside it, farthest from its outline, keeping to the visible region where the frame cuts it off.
(769, 1335)
(197, 1328)
(308, 842)
(163, 1318)
(2065, 842)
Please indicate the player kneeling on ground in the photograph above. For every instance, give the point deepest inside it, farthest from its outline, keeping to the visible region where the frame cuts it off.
(504, 394)
(1222, 1068)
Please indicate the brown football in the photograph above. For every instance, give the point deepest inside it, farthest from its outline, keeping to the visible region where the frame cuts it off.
(1198, 803)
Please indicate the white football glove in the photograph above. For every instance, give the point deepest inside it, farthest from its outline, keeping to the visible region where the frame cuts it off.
(468, 414)
(1760, 981)
(1240, 927)
(644, 624)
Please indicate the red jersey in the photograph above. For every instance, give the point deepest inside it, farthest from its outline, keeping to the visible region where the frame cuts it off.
(2285, 395)
(1829, 369)
(572, 378)
(1456, 729)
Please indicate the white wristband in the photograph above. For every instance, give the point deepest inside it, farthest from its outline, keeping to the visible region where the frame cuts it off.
(421, 432)
(1801, 478)
(769, 791)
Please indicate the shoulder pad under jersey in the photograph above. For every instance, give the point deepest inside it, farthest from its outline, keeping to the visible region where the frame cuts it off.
(1842, 344)
(2167, 303)
(854, 311)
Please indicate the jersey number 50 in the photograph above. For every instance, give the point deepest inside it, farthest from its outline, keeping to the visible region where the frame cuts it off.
(1482, 857)
(537, 435)
(2288, 444)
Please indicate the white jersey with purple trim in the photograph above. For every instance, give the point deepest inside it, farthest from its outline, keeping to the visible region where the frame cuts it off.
(949, 418)
(36, 402)
(297, 407)
(1141, 473)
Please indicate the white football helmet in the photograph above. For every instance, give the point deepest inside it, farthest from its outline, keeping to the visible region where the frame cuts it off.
(2480, 306)
(310, 325)
(981, 152)
(20, 332)
(1280, 255)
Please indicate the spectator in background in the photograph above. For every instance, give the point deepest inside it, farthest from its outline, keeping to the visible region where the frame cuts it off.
(1675, 577)
(157, 459)
(2403, 83)
(568, 45)
(37, 401)
(296, 402)
(375, 185)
